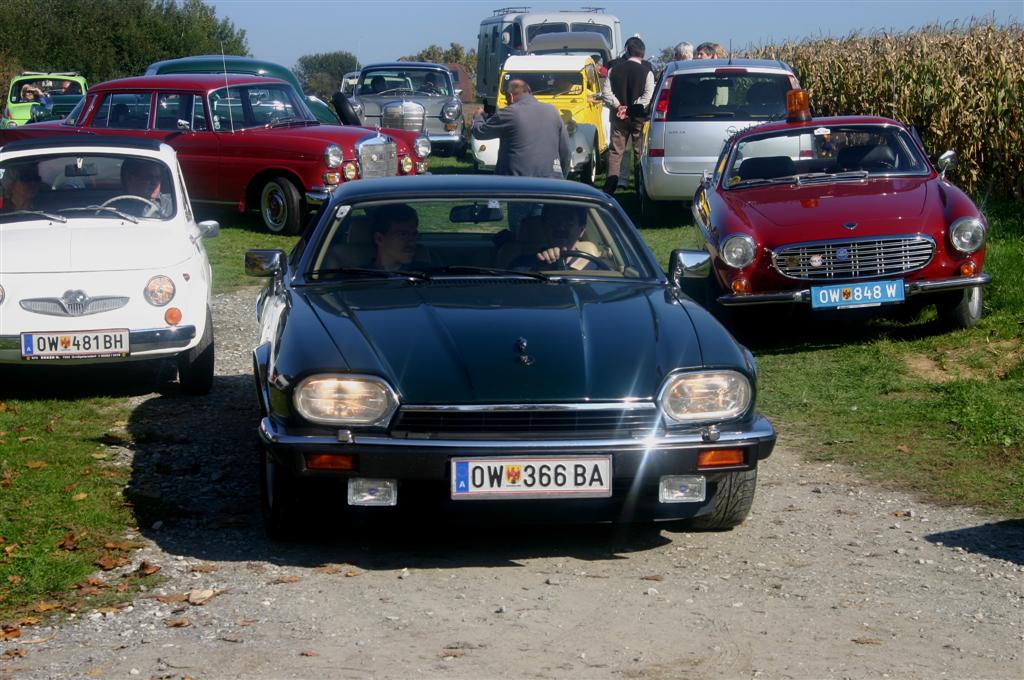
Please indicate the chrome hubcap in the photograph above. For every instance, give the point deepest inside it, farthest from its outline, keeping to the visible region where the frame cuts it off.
(275, 211)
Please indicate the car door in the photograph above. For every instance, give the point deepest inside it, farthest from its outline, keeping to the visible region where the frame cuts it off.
(182, 121)
(597, 111)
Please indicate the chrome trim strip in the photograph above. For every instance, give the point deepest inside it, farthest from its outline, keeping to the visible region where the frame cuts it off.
(318, 196)
(912, 239)
(909, 288)
(645, 405)
(145, 340)
(760, 431)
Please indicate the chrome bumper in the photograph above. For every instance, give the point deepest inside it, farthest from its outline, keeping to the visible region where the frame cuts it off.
(909, 288)
(144, 341)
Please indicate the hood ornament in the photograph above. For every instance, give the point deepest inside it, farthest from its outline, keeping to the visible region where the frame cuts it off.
(524, 358)
(850, 225)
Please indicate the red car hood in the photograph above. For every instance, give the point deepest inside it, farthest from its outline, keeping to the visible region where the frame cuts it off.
(820, 211)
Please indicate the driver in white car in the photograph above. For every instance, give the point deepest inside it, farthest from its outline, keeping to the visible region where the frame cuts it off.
(143, 178)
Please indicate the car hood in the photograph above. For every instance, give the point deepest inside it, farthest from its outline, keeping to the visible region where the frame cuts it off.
(372, 105)
(83, 246)
(883, 206)
(449, 343)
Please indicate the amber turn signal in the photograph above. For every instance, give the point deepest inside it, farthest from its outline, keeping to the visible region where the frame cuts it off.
(740, 286)
(330, 461)
(968, 268)
(798, 106)
(720, 458)
(172, 316)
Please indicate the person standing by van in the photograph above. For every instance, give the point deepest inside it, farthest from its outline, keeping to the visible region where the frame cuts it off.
(627, 91)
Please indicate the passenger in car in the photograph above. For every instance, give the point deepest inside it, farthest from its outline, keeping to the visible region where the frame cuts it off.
(395, 230)
(19, 187)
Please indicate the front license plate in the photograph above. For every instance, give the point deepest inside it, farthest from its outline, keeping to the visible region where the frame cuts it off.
(549, 477)
(850, 295)
(75, 345)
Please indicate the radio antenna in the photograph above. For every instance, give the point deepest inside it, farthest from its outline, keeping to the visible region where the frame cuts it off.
(730, 51)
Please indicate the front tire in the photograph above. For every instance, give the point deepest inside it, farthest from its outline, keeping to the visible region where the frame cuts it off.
(732, 502)
(961, 310)
(281, 206)
(195, 367)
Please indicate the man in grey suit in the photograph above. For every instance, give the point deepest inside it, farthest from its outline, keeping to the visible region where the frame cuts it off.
(533, 140)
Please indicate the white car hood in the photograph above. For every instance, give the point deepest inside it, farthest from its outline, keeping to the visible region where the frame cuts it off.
(85, 245)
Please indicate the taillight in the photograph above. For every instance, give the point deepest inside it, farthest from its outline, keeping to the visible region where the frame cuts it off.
(661, 106)
(655, 153)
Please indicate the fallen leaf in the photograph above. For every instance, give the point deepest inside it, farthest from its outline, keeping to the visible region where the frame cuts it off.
(44, 606)
(285, 579)
(866, 641)
(15, 653)
(147, 569)
(246, 622)
(36, 464)
(4, 408)
(26, 439)
(350, 573)
(226, 638)
(653, 577)
(14, 579)
(204, 568)
(87, 591)
(114, 609)
(86, 472)
(29, 620)
(9, 550)
(38, 641)
(117, 546)
(69, 542)
(167, 599)
(452, 653)
(308, 652)
(179, 622)
(329, 569)
(121, 587)
(97, 582)
(903, 448)
(9, 632)
(81, 496)
(99, 455)
(108, 562)
(200, 597)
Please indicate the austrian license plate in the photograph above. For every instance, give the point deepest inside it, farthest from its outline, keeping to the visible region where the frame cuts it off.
(548, 477)
(851, 295)
(111, 342)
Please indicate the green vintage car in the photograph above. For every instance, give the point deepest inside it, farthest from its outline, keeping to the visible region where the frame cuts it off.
(35, 96)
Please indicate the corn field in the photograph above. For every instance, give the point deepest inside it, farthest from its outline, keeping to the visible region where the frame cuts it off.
(961, 86)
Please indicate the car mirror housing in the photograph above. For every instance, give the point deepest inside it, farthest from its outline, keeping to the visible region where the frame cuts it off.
(264, 262)
(209, 228)
(946, 161)
(688, 264)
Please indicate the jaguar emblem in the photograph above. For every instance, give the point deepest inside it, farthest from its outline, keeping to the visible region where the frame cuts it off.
(524, 358)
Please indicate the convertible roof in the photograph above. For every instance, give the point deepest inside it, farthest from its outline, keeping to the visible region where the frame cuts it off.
(83, 140)
(465, 186)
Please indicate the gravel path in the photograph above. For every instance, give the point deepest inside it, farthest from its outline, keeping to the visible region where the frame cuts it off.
(830, 577)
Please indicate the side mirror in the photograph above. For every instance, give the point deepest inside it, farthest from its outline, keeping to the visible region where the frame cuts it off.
(946, 161)
(184, 125)
(209, 228)
(458, 91)
(264, 262)
(688, 264)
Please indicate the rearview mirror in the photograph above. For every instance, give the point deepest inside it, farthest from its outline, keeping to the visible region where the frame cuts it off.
(264, 262)
(475, 213)
(688, 264)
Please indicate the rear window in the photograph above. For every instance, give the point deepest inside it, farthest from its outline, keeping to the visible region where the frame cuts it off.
(739, 96)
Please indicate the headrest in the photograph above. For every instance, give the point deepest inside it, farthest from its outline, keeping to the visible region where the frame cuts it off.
(767, 167)
(360, 231)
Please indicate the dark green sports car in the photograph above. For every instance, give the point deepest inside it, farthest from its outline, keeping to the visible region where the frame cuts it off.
(495, 347)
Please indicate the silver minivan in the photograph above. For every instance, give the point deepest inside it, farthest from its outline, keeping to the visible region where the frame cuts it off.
(697, 106)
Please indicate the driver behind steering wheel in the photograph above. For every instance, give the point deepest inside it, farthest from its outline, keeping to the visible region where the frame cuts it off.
(143, 178)
(563, 227)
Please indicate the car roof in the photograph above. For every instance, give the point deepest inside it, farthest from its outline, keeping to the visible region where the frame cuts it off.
(552, 62)
(84, 141)
(216, 63)
(706, 65)
(184, 81)
(465, 186)
(406, 64)
(816, 123)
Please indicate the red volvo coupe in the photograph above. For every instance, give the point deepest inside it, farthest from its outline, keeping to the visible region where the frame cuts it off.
(245, 141)
(835, 214)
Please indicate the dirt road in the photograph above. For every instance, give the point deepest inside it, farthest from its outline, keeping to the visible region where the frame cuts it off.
(830, 577)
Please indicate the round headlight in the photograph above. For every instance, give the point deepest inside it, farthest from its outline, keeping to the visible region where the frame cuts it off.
(451, 110)
(967, 234)
(340, 399)
(705, 395)
(159, 291)
(406, 165)
(350, 171)
(333, 156)
(738, 251)
(422, 146)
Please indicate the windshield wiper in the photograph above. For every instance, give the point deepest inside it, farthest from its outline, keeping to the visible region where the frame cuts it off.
(98, 208)
(758, 181)
(377, 273)
(294, 120)
(494, 271)
(43, 213)
(812, 177)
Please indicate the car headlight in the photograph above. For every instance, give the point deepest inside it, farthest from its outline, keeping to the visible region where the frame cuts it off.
(342, 399)
(350, 171)
(689, 397)
(738, 251)
(333, 156)
(451, 110)
(159, 291)
(967, 234)
(422, 146)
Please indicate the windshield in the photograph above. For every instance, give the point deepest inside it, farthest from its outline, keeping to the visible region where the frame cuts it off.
(735, 96)
(823, 154)
(37, 89)
(257, 105)
(546, 83)
(64, 187)
(540, 29)
(390, 81)
(431, 239)
(590, 27)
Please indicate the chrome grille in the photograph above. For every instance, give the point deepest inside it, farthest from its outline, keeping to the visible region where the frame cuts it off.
(520, 424)
(378, 158)
(403, 116)
(855, 258)
(73, 305)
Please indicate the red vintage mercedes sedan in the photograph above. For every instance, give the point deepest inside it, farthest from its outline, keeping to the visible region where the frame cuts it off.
(835, 214)
(242, 140)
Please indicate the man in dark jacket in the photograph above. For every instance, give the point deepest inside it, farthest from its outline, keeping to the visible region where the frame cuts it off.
(627, 92)
(533, 140)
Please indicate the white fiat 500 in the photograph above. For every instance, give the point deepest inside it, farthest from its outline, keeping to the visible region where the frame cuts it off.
(101, 259)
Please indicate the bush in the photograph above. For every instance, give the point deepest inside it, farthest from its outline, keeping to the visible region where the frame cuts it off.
(961, 86)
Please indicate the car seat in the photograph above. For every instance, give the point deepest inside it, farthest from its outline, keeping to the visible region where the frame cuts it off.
(866, 157)
(766, 167)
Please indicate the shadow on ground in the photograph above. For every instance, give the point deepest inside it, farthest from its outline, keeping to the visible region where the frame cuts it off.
(68, 383)
(1001, 540)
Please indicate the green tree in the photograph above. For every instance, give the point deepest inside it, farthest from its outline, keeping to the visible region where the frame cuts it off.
(320, 74)
(455, 54)
(666, 55)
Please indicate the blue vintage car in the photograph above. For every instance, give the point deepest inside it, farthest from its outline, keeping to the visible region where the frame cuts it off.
(494, 346)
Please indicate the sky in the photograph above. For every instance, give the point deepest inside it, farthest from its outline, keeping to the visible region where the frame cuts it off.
(383, 30)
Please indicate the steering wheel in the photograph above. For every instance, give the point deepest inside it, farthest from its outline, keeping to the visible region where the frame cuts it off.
(152, 208)
(566, 254)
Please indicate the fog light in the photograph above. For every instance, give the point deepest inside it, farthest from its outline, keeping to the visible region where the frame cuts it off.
(330, 461)
(741, 286)
(681, 489)
(968, 269)
(421, 167)
(172, 316)
(406, 165)
(720, 458)
(372, 492)
(349, 170)
(332, 178)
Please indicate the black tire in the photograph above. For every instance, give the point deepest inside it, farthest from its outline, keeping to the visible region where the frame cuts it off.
(195, 367)
(731, 504)
(281, 206)
(279, 500)
(962, 309)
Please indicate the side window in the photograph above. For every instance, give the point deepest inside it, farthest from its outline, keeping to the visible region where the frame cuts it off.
(198, 114)
(171, 108)
(123, 110)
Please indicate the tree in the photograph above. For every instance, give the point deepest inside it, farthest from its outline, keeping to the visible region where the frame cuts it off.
(321, 74)
(666, 55)
(455, 54)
